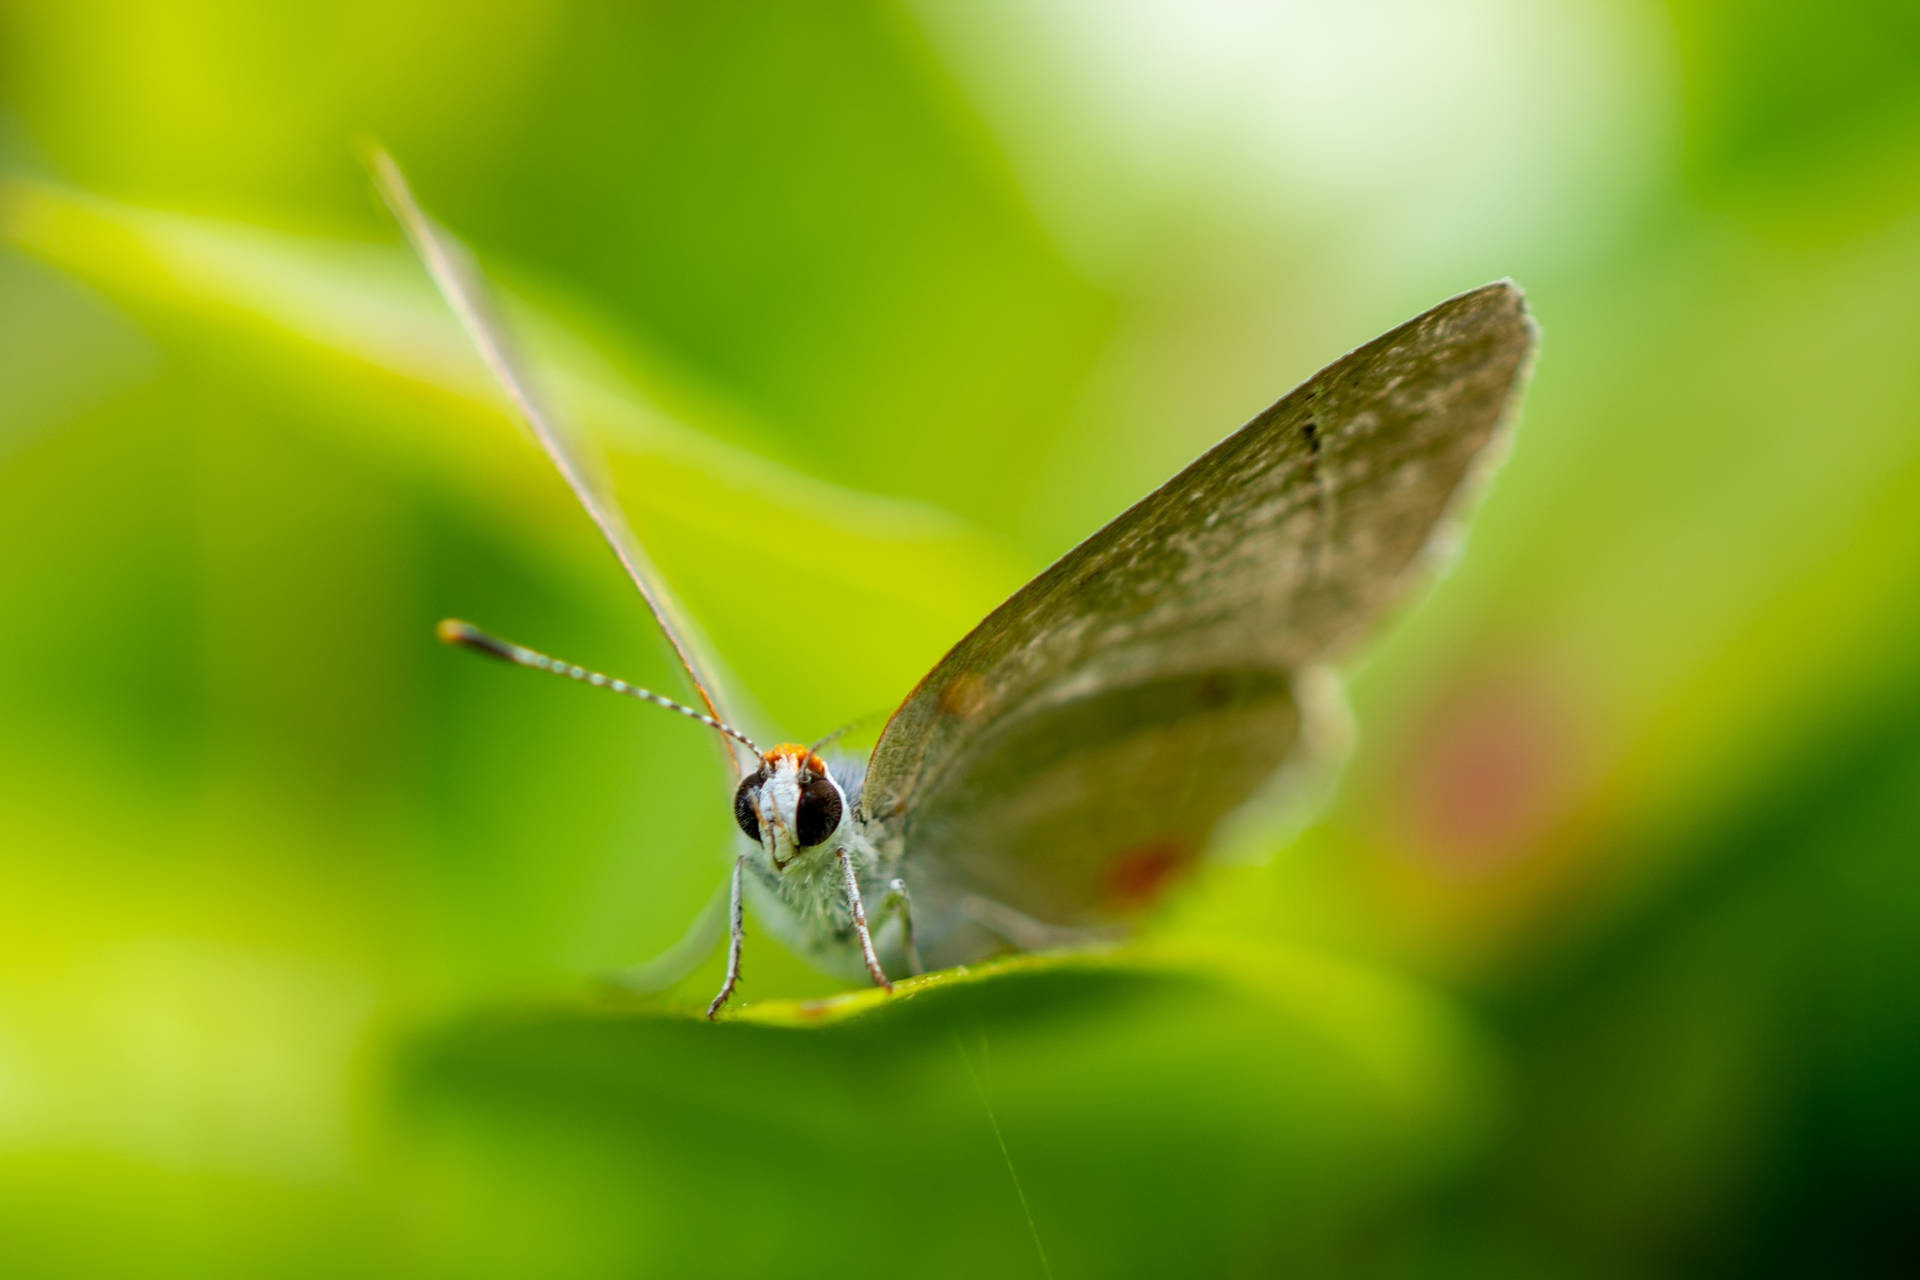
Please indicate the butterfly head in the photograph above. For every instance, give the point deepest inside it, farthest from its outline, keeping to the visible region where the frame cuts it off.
(790, 804)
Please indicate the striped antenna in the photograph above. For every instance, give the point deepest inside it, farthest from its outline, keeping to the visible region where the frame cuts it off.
(465, 634)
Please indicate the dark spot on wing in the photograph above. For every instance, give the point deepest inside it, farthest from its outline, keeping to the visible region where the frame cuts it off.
(1317, 549)
(1215, 690)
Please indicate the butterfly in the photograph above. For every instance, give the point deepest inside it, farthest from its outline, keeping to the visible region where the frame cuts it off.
(1073, 755)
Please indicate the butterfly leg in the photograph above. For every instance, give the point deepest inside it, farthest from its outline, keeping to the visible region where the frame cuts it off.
(852, 883)
(738, 935)
(898, 903)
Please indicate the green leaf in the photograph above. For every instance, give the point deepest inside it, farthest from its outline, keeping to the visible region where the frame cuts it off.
(1180, 1109)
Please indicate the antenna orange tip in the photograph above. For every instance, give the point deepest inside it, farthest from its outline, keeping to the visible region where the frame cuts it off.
(453, 631)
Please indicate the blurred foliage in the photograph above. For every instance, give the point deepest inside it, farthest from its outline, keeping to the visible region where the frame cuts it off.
(1603, 961)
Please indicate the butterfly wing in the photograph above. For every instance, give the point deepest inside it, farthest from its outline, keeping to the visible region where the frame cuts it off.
(1079, 746)
(461, 284)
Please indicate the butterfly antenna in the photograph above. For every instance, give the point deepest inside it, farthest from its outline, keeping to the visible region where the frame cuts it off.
(844, 729)
(468, 636)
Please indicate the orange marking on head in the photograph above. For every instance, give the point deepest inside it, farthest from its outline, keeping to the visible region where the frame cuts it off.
(805, 759)
(1138, 876)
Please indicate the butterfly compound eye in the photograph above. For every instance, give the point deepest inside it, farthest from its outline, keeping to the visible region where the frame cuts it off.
(819, 813)
(745, 811)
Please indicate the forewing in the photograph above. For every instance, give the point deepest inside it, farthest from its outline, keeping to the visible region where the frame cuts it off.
(460, 283)
(1078, 747)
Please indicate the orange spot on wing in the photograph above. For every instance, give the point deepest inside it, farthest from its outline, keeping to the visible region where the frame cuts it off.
(1138, 876)
(965, 696)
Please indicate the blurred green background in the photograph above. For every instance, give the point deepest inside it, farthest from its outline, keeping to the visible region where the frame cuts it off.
(1604, 960)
